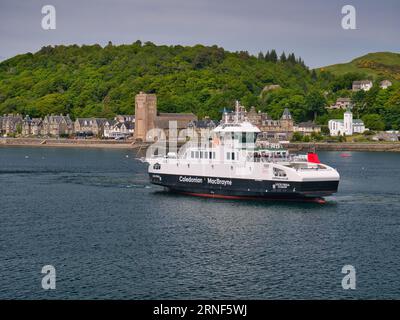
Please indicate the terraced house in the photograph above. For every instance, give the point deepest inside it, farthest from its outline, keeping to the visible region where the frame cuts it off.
(57, 126)
(114, 129)
(10, 124)
(32, 126)
(92, 126)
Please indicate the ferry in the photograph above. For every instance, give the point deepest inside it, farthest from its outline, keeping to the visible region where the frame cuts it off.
(232, 165)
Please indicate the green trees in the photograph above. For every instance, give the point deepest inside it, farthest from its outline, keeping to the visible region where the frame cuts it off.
(94, 81)
(316, 103)
(374, 122)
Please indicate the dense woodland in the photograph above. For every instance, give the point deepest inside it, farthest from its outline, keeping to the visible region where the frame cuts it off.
(100, 81)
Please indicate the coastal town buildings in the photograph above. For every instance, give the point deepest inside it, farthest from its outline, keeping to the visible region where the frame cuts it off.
(32, 126)
(307, 128)
(125, 118)
(10, 124)
(122, 126)
(57, 125)
(281, 129)
(117, 129)
(147, 118)
(365, 85)
(341, 103)
(201, 128)
(348, 126)
(90, 126)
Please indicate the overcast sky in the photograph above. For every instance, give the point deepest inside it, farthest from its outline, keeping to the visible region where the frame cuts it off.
(309, 28)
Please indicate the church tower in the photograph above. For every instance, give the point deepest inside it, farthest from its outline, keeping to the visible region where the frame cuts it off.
(145, 114)
(348, 123)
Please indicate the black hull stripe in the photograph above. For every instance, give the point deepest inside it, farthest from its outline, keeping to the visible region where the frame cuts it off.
(245, 187)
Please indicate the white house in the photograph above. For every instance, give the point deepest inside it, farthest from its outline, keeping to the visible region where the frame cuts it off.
(365, 85)
(341, 103)
(348, 126)
(115, 129)
(385, 84)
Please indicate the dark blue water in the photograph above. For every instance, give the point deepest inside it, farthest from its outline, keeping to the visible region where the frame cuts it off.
(110, 234)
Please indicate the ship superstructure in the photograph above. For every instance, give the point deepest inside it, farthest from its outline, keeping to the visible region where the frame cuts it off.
(230, 164)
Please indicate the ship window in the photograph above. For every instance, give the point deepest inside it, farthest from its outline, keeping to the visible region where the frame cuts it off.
(201, 154)
(211, 155)
(228, 156)
(197, 154)
(192, 154)
(233, 156)
(206, 155)
(279, 172)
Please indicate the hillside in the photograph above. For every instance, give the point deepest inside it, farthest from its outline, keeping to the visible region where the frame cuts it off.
(375, 65)
(86, 81)
(102, 81)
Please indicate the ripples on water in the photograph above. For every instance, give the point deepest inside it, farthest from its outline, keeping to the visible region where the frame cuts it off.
(110, 234)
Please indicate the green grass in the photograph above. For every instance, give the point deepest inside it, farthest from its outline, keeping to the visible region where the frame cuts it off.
(378, 64)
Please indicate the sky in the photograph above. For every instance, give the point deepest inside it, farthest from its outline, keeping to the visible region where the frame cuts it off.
(311, 29)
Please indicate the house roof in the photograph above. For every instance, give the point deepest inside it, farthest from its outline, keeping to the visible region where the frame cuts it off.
(128, 125)
(57, 119)
(188, 116)
(164, 123)
(203, 124)
(307, 124)
(362, 82)
(98, 121)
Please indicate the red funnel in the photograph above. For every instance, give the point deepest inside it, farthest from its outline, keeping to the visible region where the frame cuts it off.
(313, 157)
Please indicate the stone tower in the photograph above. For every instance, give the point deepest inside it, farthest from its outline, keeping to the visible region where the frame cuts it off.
(145, 114)
(348, 123)
(286, 121)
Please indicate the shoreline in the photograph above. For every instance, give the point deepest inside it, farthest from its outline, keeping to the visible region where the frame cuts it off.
(69, 143)
(113, 144)
(344, 146)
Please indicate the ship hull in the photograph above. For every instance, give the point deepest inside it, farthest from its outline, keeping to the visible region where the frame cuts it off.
(215, 187)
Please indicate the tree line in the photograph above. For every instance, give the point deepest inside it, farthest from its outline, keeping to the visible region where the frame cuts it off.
(86, 81)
